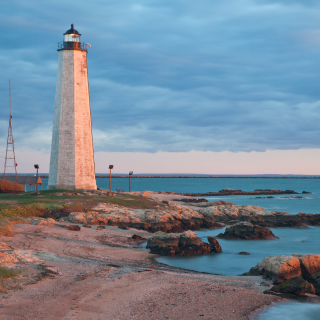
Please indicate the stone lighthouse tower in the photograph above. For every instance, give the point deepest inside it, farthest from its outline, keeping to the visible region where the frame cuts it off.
(72, 161)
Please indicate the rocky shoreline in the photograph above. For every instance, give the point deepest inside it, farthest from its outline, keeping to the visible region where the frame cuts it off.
(173, 217)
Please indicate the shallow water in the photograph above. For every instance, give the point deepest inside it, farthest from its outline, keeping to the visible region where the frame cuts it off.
(291, 311)
(291, 240)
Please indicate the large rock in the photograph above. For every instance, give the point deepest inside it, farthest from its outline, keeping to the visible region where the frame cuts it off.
(169, 244)
(282, 268)
(246, 231)
(310, 266)
(294, 285)
(229, 211)
(316, 285)
(215, 246)
(277, 268)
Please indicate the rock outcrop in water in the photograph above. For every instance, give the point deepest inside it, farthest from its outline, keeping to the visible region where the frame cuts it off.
(286, 269)
(215, 246)
(229, 192)
(277, 268)
(246, 231)
(294, 285)
(230, 213)
(182, 244)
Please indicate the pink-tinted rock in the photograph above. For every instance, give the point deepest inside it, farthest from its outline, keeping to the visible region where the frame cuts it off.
(246, 231)
(310, 266)
(185, 243)
(215, 246)
(277, 268)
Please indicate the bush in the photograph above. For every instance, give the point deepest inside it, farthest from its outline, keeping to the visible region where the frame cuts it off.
(10, 187)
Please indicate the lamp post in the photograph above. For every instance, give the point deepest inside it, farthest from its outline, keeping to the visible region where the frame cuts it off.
(36, 166)
(130, 174)
(110, 167)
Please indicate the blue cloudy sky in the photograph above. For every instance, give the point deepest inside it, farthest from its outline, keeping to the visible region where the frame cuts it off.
(169, 76)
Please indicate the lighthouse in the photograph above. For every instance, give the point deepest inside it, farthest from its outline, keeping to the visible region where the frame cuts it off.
(72, 158)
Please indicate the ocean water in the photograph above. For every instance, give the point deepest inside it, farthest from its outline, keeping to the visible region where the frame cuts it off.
(203, 185)
(291, 240)
(291, 311)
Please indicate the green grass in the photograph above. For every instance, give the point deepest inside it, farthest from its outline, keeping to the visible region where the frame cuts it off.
(6, 273)
(48, 204)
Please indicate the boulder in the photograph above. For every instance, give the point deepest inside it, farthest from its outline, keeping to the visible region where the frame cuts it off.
(246, 231)
(137, 237)
(74, 227)
(310, 266)
(294, 285)
(144, 194)
(316, 285)
(215, 246)
(282, 268)
(170, 244)
(277, 268)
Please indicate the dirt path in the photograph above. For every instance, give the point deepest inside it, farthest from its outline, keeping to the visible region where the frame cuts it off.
(104, 274)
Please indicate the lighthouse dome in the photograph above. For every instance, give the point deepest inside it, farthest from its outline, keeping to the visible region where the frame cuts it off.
(72, 35)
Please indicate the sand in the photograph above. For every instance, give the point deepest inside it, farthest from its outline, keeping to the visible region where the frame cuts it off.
(104, 274)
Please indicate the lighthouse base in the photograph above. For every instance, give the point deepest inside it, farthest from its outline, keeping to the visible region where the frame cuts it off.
(71, 187)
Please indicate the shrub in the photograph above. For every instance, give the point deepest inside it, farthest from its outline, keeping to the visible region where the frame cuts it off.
(10, 187)
(26, 210)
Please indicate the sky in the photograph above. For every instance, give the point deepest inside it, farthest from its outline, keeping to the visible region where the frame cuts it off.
(216, 87)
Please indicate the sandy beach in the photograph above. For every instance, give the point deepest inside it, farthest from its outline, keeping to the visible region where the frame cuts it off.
(102, 273)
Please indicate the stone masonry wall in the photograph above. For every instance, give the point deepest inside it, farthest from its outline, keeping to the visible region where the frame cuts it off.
(84, 158)
(72, 159)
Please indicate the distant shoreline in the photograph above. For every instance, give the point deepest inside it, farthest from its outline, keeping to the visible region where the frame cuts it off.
(195, 177)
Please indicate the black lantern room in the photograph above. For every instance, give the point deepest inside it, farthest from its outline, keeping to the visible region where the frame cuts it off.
(71, 41)
(72, 35)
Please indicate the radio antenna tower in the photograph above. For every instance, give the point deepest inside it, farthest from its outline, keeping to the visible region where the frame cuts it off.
(10, 165)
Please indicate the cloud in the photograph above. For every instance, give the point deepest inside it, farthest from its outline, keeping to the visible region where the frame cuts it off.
(170, 76)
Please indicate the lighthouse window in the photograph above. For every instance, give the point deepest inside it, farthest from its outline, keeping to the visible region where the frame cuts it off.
(72, 38)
